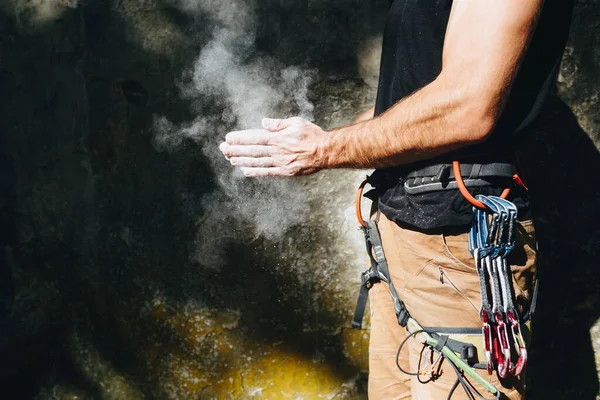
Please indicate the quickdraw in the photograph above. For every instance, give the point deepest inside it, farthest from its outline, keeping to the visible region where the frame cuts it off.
(491, 240)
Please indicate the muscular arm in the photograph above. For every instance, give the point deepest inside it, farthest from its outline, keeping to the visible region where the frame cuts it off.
(483, 47)
(485, 41)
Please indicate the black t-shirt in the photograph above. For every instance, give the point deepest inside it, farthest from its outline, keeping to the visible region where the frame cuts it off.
(412, 58)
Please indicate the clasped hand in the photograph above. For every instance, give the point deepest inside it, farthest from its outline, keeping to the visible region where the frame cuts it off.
(284, 147)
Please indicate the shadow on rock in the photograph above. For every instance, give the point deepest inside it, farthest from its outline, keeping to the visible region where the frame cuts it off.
(562, 166)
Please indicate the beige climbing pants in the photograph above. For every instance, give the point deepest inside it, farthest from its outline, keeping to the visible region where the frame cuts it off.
(435, 276)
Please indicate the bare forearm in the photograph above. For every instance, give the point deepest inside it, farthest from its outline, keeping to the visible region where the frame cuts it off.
(437, 119)
(365, 116)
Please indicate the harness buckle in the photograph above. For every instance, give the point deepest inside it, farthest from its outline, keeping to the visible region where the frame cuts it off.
(403, 316)
(369, 278)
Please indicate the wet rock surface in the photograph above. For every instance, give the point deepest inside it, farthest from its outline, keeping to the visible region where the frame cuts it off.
(135, 274)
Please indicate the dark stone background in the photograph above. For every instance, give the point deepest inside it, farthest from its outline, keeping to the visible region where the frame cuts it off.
(105, 300)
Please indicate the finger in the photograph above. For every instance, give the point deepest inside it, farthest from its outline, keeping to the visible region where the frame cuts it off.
(250, 136)
(252, 162)
(276, 125)
(263, 172)
(246, 151)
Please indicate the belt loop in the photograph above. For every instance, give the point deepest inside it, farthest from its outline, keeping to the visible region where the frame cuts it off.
(443, 174)
(475, 170)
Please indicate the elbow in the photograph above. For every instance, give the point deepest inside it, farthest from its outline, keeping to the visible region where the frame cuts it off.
(476, 110)
(483, 126)
(478, 118)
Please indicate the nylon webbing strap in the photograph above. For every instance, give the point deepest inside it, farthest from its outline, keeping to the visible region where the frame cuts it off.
(441, 343)
(361, 305)
(483, 279)
(379, 271)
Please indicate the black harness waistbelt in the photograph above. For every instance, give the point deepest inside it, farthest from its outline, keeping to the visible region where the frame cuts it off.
(441, 176)
(443, 172)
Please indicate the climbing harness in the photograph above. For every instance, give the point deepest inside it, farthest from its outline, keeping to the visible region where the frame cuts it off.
(491, 239)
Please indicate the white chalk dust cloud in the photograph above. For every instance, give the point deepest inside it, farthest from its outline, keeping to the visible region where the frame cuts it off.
(247, 87)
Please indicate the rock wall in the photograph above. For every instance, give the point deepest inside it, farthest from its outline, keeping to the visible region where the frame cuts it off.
(565, 194)
(142, 267)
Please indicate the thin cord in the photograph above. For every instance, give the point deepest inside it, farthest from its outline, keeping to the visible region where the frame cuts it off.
(400, 349)
(474, 388)
(456, 382)
(460, 378)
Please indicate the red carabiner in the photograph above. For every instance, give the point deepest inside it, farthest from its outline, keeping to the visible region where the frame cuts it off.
(487, 340)
(501, 346)
(519, 343)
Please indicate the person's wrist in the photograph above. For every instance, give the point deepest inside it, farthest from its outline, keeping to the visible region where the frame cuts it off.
(323, 151)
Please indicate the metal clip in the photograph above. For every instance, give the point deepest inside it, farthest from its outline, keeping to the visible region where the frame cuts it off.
(515, 326)
(487, 340)
(502, 346)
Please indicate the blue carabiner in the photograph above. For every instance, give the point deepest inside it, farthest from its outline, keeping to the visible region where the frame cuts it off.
(504, 234)
(473, 233)
(496, 225)
(512, 222)
(481, 235)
